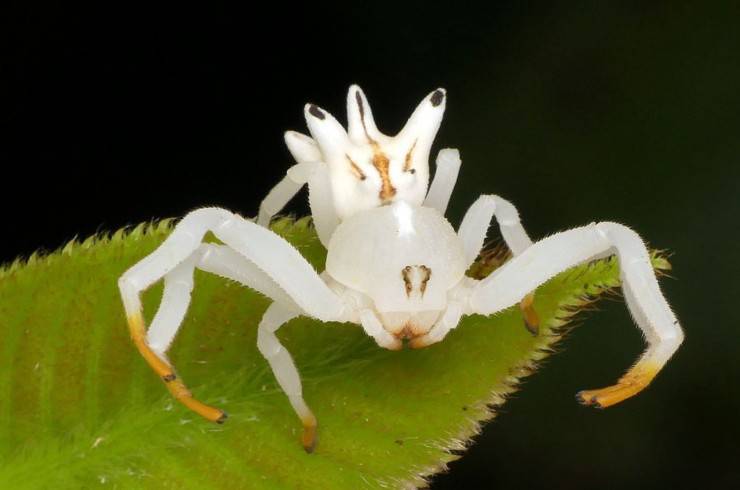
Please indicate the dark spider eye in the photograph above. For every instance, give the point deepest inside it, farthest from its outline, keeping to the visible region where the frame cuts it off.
(412, 171)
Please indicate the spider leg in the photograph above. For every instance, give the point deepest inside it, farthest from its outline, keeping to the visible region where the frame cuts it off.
(259, 259)
(511, 282)
(474, 228)
(284, 368)
(278, 197)
(445, 176)
(178, 284)
(154, 343)
(225, 262)
(316, 175)
(309, 170)
(307, 154)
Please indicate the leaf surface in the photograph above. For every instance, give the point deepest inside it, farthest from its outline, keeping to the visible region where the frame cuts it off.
(79, 408)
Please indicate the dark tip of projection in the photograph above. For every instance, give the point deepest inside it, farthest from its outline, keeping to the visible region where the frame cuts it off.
(316, 112)
(437, 97)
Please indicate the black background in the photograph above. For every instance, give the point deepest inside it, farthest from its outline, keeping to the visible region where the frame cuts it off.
(575, 111)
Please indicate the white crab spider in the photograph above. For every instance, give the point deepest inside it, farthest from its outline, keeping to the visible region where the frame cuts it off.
(395, 265)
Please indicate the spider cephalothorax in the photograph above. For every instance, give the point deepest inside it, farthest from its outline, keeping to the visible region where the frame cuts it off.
(395, 266)
(366, 167)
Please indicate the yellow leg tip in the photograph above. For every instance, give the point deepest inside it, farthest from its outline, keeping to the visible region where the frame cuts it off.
(209, 413)
(632, 383)
(309, 437)
(167, 374)
(531, 319)
(419, 342)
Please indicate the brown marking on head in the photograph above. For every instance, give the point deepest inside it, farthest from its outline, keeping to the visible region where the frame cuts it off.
(382, 165)
(356, 169)
(409, 157)
(361, 107)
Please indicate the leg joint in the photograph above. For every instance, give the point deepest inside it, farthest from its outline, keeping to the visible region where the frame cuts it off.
(506, 213)
(128, 285)
(673, 337)
(267, 343)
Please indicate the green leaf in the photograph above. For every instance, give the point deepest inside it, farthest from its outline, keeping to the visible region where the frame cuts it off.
(79, 408)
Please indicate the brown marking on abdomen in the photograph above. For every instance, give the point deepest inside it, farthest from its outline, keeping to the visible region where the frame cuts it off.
(407, 280)
(426, 274)
(425, 279)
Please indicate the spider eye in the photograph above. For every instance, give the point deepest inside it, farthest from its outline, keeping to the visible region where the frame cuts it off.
(412, 171)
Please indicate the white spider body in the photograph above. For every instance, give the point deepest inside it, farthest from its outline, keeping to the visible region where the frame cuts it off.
(395, 266)
(404, 259)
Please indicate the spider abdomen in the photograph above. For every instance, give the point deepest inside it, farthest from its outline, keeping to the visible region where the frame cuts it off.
(404, 257)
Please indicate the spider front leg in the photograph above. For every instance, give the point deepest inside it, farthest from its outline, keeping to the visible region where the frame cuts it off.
(309, 170)
(474, 228)
(281, 194)
(251, 255)
(445, 176)
(307, 155)
(514, 280)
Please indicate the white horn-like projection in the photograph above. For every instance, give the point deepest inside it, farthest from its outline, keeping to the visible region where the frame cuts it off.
(422, 126)
(302, 147)
(366, 168)
(327, 132)
(360, 123)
